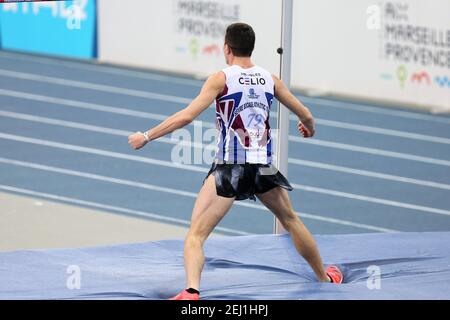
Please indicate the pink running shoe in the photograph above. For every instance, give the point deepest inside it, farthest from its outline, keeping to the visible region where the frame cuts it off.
(335, 274)
(184, 295)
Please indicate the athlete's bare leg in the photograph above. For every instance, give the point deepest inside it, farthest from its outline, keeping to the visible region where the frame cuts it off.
(208, 210)
(277, 200)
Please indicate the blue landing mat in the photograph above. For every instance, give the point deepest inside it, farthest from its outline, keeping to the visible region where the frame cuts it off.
(412, 266)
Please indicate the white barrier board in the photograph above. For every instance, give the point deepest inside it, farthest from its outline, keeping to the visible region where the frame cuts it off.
(184, 36)
(384, 50)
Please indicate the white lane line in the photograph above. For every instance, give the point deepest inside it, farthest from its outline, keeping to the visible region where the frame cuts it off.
(353, 196)
(142, 214)
(104, 153)
(324, 218)
(94, 86)
(63, 123)
(372, 109)
(170, 98)
(147, 115)
(95, 66)
(366, 173)
(175, 191)
(204, 170)
(88, 127)
(313, 164)
(373, 151)
(82, 105)
(196, 83)
(387, 132)
(98, 177)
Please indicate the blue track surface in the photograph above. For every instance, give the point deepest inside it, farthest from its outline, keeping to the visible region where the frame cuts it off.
(63, 128)
(416, 267)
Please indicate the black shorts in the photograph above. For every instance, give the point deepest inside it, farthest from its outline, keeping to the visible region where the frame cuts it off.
(243, 181)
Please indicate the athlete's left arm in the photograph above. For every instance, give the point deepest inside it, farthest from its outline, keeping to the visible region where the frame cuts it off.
(284, 95)
(213, 86)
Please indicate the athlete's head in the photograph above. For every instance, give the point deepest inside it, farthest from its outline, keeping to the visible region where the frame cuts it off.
(239, 41)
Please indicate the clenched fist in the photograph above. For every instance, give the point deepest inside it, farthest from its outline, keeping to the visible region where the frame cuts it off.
(137, 140)
(307, 130)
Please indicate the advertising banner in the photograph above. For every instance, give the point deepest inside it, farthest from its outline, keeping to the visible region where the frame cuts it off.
(184, 36)
(65, 28)
(396, 50)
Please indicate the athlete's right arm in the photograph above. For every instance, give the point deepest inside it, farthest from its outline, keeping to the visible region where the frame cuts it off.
(213, 86)
(282, 93)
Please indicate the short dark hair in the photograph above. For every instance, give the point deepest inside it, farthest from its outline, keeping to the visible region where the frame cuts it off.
(240, 37)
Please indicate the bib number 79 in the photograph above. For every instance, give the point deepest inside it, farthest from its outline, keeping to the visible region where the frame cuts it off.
(255, 118)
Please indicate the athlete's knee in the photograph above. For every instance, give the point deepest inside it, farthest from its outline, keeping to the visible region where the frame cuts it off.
(290, 220)
(194, 238)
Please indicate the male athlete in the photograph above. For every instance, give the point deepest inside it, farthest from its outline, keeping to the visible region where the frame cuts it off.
(242, 169)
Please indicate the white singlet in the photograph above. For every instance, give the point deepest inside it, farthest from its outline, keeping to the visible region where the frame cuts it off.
(242, 116)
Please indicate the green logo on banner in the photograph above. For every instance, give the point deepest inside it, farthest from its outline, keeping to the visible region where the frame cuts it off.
(194, 47)
(402, 75)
